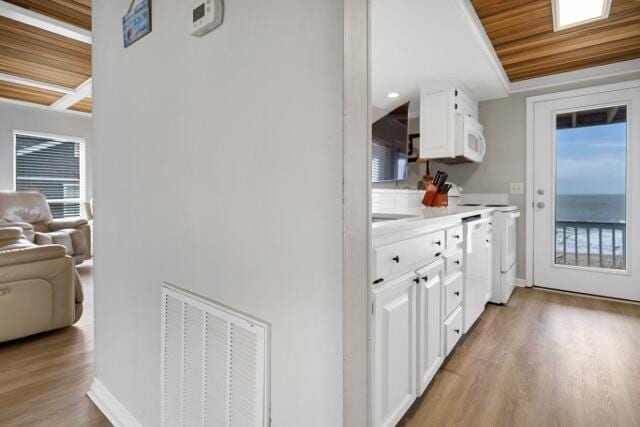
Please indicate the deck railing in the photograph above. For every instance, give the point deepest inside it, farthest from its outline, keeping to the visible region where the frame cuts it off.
(591, 244)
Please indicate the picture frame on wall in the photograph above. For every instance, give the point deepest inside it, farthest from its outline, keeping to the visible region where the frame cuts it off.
(136, 23)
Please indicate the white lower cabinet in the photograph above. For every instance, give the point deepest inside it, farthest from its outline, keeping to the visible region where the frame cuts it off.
(430, 349)
(418, 316)
(394, 349)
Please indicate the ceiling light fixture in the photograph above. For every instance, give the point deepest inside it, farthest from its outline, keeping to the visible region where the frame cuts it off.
(393, 95)
(570, 13)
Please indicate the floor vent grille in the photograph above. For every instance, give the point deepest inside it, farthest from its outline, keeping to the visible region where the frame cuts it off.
(214, 364)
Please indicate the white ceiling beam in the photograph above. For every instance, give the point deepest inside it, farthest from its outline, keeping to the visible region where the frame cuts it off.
(44, 22)
(38, 106)
(33, 83)
(83, 91)
(485, 43)
(631, 67)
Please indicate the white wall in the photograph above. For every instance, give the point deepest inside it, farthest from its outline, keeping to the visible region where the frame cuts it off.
(219, 169)
(13, 116)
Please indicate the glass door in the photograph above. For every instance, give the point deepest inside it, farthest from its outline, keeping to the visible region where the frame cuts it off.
(586, 151)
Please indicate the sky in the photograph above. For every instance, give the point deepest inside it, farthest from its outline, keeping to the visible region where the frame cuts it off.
(592, 160)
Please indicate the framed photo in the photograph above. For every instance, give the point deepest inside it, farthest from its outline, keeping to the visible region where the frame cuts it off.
(137, 22)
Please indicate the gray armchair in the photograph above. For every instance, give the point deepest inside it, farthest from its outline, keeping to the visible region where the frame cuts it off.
(30, 211)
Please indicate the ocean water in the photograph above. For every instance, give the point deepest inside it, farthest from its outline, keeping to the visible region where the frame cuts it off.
(609, 209)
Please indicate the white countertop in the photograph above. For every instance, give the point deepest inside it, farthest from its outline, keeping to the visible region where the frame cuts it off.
(422, 217)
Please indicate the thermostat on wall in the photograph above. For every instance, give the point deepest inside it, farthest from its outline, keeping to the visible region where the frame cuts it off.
(207, 15)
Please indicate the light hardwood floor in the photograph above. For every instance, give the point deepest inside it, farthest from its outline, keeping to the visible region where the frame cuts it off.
(44, 378)
(545, 359)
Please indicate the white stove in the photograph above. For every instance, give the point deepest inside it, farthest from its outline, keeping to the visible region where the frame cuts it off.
(497, 207)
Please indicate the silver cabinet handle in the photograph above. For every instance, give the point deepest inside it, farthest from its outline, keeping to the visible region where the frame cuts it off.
(540, 205)
(540, 191)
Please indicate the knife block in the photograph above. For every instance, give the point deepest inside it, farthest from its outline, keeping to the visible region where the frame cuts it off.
(433, 199)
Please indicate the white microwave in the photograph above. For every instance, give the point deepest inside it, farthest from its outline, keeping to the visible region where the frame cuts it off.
(470, 142)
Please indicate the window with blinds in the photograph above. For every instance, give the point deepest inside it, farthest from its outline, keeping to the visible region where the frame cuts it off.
(380, 158)
(52, 167)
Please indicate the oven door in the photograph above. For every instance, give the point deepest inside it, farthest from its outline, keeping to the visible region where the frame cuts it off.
(509, 242)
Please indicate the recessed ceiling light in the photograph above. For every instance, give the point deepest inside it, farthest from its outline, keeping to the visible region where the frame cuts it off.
(569, 13)
(393, 95)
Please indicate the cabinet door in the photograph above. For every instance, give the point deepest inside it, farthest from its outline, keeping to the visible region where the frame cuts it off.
(437, 125)
(394, 350)
(429, 324)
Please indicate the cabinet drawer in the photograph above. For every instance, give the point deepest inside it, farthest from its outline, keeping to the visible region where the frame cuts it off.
(454, 262)
(455, 236)
(453, 289)
(453, 330)
(399, 258)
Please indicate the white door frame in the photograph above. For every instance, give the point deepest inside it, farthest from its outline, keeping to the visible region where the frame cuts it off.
(531, 101)
(357, 292)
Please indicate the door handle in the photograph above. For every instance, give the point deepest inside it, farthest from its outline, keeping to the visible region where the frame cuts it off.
(540, 205)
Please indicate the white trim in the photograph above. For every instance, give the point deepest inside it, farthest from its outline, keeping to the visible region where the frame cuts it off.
(528, 254)
(578, 76)
(33, 83)
(481, 35)
(111, 407)
(52, 136)
(70, 99)
(521, 283)
(531, 101)
(585, 91)
(44, 22)
(40, 107)
(606, 8)
(356, 192)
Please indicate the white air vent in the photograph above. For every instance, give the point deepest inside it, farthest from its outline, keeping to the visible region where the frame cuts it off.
(214, 364)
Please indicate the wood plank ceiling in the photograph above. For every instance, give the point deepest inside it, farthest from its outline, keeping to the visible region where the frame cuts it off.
(35, 54)
(522, 35)
(74, 12)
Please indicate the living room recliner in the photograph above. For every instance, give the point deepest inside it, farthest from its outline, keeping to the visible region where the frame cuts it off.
(30, 211)
(39, 287)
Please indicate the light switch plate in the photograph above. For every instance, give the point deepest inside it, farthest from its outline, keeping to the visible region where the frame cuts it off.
(517, 188)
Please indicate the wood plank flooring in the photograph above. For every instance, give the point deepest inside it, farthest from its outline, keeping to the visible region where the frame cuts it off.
(545, 359)
(44, 378)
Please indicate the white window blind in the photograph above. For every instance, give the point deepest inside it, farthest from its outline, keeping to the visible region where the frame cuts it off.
(52, 167)
(380, 157)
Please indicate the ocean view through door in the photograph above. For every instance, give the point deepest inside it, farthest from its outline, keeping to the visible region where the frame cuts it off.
(585, 157)
(591, 211)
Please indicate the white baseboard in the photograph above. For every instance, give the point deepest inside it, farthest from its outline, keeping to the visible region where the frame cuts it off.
(111, 407)
(521, 283)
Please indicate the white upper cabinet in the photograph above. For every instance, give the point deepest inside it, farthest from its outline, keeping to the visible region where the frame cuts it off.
(449, 128)
(394, 349)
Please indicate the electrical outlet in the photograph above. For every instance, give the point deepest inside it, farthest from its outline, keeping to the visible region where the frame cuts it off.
(517, 188)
